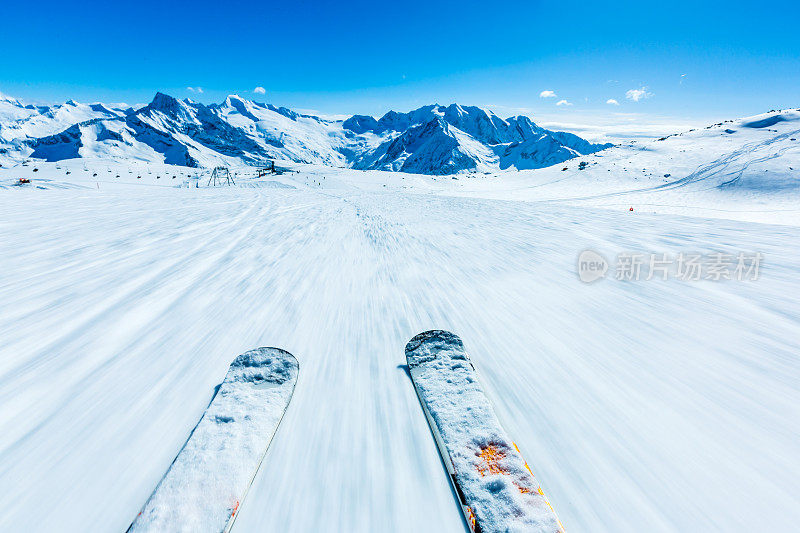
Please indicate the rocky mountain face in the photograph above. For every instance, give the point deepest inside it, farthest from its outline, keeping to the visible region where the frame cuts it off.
(430, 140)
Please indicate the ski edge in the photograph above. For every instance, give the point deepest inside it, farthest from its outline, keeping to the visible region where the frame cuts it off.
(466, 511)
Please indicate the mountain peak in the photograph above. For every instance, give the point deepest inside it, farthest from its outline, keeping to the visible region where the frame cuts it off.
(456, 109)
(165, 102)
(6, 98)
(234, 98)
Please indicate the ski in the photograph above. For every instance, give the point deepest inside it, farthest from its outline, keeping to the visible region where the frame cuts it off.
(496, 489)
(207, 482)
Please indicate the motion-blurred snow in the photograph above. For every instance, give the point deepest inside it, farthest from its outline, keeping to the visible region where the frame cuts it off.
(656, 406)
(640, 406)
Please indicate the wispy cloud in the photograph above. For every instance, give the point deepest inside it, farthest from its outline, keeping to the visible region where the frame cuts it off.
(611, 101)
(320, 114)
(195, 90)
(547, 94)
(605, 125)
(615, 127)
(638, 94)
(260, 90)
(563, 102)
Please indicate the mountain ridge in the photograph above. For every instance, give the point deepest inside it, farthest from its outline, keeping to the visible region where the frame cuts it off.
(432, 139)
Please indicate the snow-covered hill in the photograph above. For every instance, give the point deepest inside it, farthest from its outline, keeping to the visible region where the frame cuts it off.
(431, 140)
(752, 161)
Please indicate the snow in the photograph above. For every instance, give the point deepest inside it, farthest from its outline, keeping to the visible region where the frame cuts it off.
(432, 139)
(499, 490)
(208, 481)
(451, 140)
(727, 170)
(18, 121)
(640, 406)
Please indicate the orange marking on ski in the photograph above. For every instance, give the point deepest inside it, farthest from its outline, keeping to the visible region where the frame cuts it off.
(523, 490)
(472, 519)
(491, 457)
(523, 459)
(235, 508)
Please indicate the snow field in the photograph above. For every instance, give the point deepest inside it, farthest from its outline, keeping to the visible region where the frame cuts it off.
(651, 405)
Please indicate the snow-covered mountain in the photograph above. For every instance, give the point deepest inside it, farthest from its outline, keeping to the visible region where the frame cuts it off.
(430, 140)
(183, 132)
(18, 120)
(21, 123)
(445, 140)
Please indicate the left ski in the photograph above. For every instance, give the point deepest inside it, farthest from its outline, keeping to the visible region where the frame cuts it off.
(210, 477)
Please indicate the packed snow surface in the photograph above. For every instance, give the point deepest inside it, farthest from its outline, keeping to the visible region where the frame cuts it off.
(209, 479)
(496, 483)
(660, 405)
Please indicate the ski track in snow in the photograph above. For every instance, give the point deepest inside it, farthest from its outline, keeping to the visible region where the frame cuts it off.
(640, 406)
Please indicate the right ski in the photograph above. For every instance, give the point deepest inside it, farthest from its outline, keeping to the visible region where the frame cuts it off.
(495, 487)
(210, 477)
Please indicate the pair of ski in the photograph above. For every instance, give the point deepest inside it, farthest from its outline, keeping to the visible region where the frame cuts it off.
(209, 479)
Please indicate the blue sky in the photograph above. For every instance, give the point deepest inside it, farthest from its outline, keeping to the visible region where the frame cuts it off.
(704, 60)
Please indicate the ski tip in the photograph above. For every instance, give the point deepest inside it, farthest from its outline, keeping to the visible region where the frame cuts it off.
(428, 344)
(272, 365)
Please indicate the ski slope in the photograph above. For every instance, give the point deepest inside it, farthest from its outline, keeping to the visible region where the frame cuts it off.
(640, 406)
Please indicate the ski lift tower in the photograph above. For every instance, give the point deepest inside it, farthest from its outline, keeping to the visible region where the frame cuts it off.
(263, 171)
(221, 175)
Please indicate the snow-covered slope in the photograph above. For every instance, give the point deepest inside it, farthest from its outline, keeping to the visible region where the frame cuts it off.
(287, 135)
(649, 406)
(746, 168)
(431, 140)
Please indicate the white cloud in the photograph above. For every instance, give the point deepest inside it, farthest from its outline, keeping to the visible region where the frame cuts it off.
(547, 94)
(611, 101)
(195, 90)
(260, 90)
(638, 94)
(605, 125)
(612, 126)
(563, 102)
